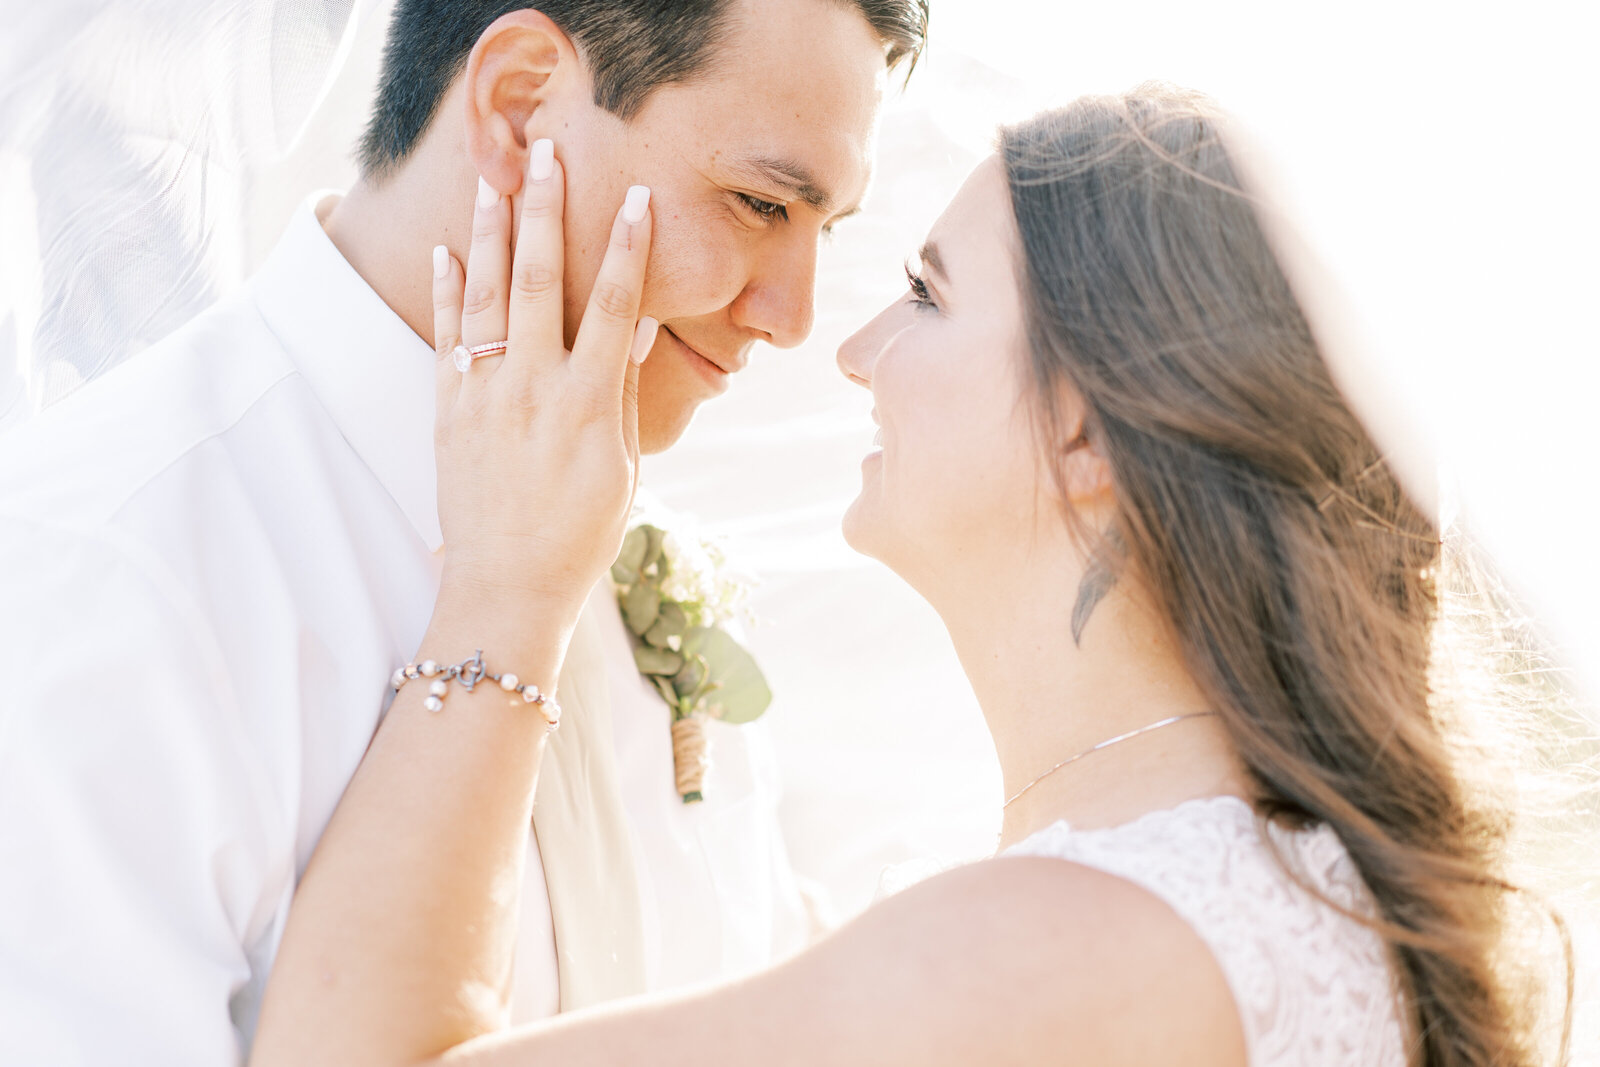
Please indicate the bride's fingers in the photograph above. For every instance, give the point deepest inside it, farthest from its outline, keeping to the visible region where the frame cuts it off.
(600, 355)
(483, 308)
(447, 285)
(630, 425)
(643, 338)
(537, 336)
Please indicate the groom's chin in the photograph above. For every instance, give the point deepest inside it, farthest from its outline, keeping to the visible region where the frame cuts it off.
(660, 429)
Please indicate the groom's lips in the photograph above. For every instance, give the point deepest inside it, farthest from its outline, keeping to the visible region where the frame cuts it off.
(715, 370)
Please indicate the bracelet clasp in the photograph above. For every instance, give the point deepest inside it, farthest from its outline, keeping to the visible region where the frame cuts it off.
(473, 671)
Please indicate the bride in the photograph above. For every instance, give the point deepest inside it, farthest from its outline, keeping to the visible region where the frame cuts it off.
(1192, 598)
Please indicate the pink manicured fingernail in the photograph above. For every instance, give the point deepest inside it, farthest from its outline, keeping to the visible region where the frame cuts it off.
(441, 261)
(542, 159)
(488, 195)
(634, 207)
(644, 338)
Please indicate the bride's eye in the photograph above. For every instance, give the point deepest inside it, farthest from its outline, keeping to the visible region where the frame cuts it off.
(919, 289)
(765, 210)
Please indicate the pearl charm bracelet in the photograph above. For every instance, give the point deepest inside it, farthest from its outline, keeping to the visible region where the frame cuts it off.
(468, 674)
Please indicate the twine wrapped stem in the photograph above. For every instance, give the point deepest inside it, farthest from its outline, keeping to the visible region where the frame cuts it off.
(689, 756)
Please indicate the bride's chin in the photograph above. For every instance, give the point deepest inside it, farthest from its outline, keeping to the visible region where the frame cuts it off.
(858, 527)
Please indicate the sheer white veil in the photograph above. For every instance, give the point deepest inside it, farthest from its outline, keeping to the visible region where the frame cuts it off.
(131, 132)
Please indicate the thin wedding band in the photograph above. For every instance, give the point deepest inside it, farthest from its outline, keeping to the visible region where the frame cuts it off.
(464, 355)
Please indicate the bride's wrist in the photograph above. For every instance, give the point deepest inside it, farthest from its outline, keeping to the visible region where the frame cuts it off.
(519, 630)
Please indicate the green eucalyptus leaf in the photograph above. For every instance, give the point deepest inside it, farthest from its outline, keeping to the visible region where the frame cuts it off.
(625, 571)
(686, 681)
(664, 687)
(660, 661)
(655, 537)
(670, 623)
(640, 607)
(740, 692)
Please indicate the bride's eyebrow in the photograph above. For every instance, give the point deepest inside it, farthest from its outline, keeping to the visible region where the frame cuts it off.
(929, 254)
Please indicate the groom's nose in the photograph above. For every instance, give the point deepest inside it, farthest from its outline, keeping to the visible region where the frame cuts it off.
(779, 300)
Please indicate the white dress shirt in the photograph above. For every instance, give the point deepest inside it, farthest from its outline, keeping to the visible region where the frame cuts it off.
(211, 561)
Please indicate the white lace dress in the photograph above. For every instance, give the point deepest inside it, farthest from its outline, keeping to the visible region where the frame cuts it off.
(1313, 988)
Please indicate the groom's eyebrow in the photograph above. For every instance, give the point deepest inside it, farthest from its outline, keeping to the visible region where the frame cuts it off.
(797, 178)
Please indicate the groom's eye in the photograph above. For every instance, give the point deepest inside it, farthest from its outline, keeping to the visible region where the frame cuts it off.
(765, 210)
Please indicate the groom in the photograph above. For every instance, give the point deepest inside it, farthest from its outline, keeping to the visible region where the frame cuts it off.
(212, 559)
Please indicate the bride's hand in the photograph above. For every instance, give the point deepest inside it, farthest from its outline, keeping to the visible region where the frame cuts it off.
(538, 449)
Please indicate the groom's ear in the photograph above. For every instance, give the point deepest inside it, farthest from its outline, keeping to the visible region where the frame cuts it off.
(521, 64)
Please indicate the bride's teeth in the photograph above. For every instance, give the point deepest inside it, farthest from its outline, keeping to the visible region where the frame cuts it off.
(877, 438)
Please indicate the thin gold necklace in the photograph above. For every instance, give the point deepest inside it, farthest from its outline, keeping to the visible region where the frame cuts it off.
(1104, 744)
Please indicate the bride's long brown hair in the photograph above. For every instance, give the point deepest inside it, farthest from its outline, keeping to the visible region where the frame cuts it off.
(1298, 575)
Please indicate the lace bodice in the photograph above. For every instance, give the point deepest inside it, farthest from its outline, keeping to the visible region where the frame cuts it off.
(1313, 988)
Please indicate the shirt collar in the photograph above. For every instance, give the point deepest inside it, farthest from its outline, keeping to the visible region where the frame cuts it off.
(371, 372)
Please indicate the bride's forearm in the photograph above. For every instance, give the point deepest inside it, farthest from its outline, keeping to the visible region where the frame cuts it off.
(400, 938)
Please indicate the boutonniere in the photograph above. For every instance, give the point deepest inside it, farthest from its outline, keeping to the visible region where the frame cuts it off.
(675, 599)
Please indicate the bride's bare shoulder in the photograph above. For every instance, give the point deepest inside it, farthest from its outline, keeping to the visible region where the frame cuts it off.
(1029, 960)
(1126, 978)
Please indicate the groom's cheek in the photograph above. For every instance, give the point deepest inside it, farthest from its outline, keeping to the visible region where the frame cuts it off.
(676, 283)
(587, 222)
(699, 256)
(581, 268)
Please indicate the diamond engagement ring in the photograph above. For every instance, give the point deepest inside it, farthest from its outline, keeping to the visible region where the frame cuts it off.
(464, 355)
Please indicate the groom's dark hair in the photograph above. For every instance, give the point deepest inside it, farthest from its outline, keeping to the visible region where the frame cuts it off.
(632, 48)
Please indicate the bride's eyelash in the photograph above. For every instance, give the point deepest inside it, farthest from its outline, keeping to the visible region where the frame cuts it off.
(766, 210)
(919, 289)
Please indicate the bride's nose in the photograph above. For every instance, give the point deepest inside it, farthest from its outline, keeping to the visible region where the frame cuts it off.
(860, 350)
(853, 362)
